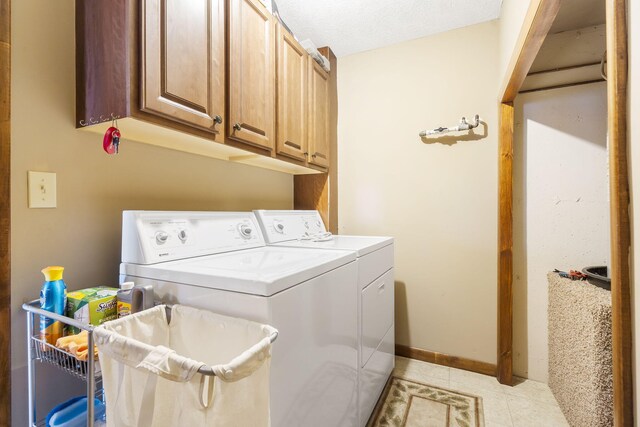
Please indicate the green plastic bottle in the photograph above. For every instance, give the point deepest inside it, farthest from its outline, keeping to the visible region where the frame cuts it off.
(53, 298)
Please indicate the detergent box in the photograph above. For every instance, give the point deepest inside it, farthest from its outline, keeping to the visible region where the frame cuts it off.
(92, 305)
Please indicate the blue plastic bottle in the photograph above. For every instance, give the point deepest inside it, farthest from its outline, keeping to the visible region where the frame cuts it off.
(53, 297)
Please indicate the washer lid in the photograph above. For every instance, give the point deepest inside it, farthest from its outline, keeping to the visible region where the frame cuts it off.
(362, 245)
(261, 271)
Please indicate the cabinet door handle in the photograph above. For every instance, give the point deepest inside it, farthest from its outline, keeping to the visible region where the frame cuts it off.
(237, 127)
(293, 144)
(217, 119)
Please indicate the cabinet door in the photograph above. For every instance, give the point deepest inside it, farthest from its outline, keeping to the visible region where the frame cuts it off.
(251, 95)
(182, 73)
(292, 82)
(318, 115)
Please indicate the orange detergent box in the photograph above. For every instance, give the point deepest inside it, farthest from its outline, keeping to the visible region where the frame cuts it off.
(92, 306)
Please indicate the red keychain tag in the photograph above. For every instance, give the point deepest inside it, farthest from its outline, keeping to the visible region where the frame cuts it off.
(111, 140)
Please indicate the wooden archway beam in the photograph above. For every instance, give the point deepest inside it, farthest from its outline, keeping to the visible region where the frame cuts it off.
(5, 212)
(537, 24)
(617, 75)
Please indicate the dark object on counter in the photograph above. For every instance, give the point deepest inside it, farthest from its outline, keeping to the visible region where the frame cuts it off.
(572, 274)
(598, 275)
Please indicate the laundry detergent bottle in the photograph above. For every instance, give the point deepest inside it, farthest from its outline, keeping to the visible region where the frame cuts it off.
(53, 298)
(125, 296)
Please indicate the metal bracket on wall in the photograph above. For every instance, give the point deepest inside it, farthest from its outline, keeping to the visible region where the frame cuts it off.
(463, 125)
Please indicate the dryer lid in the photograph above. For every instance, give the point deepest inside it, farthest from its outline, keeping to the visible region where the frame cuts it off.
(297, 228)
(361, 245)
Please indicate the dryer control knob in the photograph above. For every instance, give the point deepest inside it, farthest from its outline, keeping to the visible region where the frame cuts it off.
(161, 237)
(182, 235)
(245, 231)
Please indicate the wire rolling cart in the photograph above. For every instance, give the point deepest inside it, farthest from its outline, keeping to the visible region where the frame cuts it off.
(40, 350)
(88, 371)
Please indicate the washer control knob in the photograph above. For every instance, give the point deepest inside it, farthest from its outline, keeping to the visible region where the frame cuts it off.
(318, 224)
(182, 235)
(245, 231)
(279, 227)
(161, 237)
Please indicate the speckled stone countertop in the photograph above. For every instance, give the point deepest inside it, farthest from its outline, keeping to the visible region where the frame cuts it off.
(580, 357)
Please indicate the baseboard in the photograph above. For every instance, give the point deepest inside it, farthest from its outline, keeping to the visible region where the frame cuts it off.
(446, 360)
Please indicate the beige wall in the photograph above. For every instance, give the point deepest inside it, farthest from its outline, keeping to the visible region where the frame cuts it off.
(438, 200)
(83, 233)
(634, 149)
(511, 19)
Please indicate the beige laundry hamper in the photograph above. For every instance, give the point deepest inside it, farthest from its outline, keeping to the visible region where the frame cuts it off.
(152, 366)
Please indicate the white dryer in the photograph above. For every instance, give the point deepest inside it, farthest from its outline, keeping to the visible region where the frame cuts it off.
(219, 262)
(376, 338)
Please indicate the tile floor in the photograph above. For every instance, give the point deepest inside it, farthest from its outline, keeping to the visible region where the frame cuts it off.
(527, 404)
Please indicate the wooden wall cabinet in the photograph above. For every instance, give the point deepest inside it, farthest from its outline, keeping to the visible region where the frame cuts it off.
(182, 61)
(292, 82)
(218, 78)
(319, 111)
(251, 93)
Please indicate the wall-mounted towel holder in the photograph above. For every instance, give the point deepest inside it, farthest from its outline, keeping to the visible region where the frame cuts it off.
(463, 125)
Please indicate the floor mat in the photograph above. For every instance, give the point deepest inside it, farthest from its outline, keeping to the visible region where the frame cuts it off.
(407, 403)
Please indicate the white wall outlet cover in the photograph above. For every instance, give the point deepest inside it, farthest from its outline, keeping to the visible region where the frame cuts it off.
(42, 189)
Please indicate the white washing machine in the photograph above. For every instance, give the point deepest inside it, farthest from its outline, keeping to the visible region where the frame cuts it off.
(376, 338)
(219, 262)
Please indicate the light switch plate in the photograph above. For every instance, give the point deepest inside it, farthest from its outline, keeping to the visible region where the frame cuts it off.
(42, 189)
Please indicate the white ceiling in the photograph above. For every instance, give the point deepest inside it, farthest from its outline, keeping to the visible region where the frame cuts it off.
(352, 26)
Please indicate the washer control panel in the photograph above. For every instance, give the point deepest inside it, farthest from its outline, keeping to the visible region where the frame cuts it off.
(150, 237)
(282, 226)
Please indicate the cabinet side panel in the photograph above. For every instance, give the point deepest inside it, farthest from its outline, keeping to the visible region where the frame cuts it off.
(102, 60)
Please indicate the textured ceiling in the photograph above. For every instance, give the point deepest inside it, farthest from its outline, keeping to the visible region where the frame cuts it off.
(351, 26)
